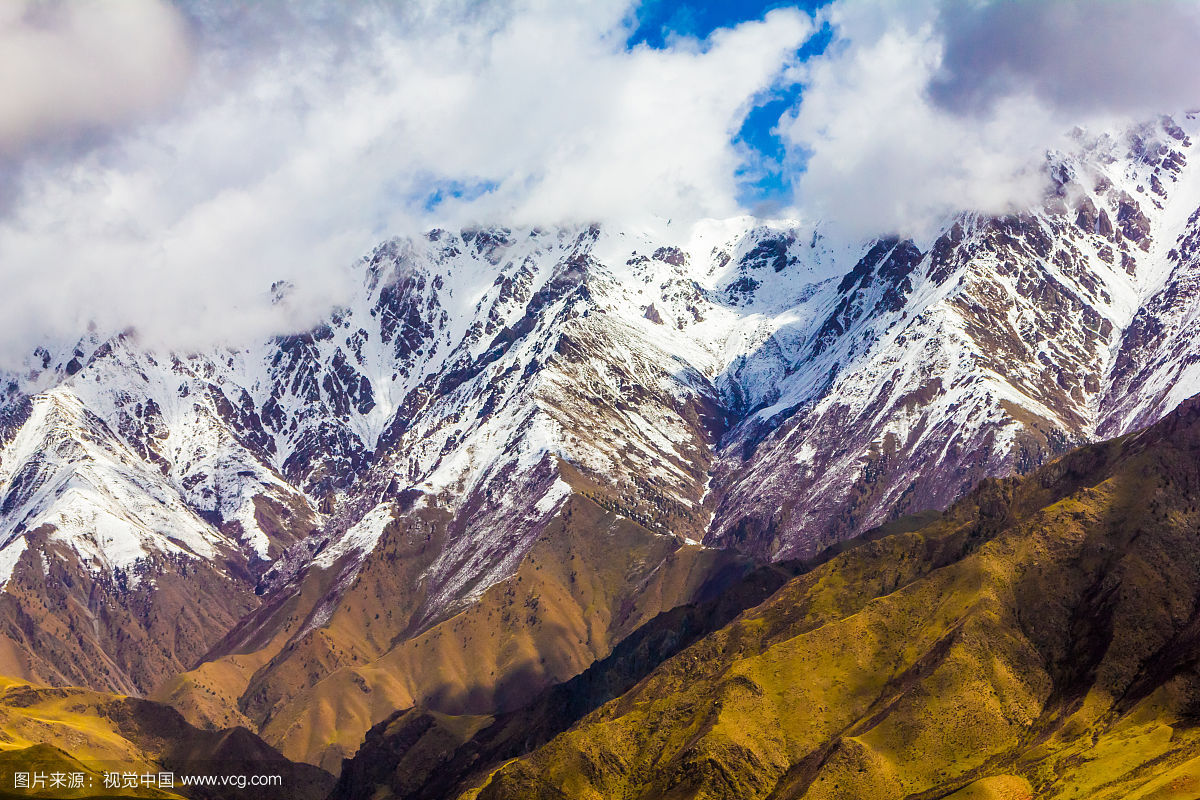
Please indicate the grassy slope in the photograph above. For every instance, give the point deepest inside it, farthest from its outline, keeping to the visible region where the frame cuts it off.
(417, 754)
(568, 603)
(1041, 638)
(78, 730)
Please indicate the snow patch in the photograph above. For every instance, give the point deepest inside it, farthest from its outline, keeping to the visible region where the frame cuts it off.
(360, 538)
(8, 559)
(553, 496)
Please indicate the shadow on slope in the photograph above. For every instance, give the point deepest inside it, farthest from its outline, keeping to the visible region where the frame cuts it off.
(420, 753)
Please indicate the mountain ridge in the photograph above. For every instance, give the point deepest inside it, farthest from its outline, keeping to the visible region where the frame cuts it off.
(749, 390)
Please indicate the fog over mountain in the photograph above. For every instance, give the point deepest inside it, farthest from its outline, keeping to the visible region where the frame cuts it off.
(259, 143)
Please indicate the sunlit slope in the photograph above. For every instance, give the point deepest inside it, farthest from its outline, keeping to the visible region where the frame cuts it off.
(592, 577)
(45, 729)
(417, 754)
(1040, 639)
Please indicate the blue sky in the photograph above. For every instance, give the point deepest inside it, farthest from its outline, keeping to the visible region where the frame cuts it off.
(766, 179)
(657, 20)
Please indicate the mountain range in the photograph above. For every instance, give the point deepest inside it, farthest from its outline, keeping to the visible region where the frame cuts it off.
(514, 449)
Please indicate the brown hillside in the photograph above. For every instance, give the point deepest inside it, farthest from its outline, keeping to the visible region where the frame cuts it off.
(78, 730)
(1039, 640)
(592, 577)
(64, 624)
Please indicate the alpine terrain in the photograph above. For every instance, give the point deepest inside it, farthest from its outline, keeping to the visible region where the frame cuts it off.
(514, 449)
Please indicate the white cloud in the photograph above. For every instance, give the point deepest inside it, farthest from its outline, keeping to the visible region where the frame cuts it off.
(297, 148)
(882, 157)
(71, 66)
(926, 108)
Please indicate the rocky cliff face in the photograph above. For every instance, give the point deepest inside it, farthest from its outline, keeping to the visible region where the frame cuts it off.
(502, 406)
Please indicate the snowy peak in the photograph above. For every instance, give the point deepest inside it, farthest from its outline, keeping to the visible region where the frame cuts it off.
(67, 470)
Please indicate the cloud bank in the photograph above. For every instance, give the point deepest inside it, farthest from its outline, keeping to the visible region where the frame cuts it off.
(164, 164)
(927, 108)
(1082, 57)
(303, 139)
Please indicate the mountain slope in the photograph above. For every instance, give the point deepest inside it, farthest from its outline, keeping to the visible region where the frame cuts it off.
(110, 579)
(76, 730)
(1004, 342)
(589, 580)
(417, 753)
(1040, 636)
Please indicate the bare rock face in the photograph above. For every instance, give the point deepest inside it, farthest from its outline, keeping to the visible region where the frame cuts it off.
(502, 407)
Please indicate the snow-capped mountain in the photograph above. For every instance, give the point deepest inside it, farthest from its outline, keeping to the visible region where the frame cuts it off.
(760, 387)
(1004, 341)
